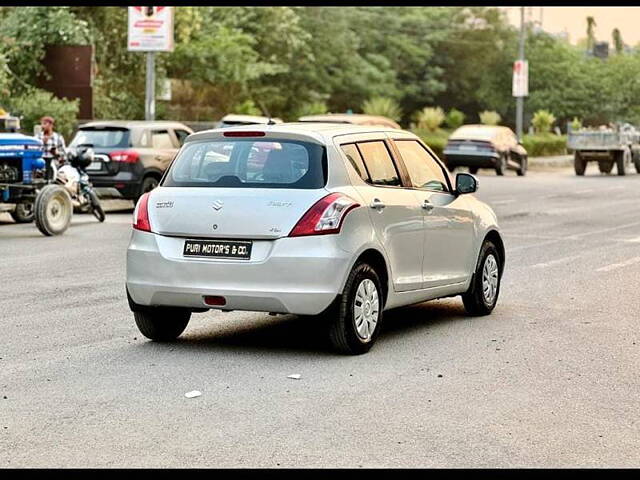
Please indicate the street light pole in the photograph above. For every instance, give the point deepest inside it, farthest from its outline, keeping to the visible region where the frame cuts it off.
(150, 90)
(520, 99)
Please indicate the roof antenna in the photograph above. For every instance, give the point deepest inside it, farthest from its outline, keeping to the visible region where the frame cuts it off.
(266, 113)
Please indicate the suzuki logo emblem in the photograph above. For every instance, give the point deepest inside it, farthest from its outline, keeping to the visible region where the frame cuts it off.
(217, 205)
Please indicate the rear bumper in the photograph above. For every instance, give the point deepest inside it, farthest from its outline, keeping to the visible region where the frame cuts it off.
(126, 186)
(470, 159)
(288, 275)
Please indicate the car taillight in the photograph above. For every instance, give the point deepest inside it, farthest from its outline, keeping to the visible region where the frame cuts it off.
(325, 217)
(125, 156)
(141, 214)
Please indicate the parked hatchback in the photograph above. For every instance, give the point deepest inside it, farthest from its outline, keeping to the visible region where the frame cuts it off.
(130, 156)
(485, 146)
(339, 221)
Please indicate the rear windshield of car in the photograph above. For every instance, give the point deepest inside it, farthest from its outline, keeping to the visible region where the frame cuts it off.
(102, 137)
(474, 133)
(249, 163)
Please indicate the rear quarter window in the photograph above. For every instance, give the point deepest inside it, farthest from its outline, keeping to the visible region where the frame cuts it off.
(103, 137)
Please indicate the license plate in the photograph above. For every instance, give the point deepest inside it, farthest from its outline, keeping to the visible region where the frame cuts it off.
(218, 249)
(95, 166)
(468, 147)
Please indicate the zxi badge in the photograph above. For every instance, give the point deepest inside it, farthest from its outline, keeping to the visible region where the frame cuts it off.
(217, 205)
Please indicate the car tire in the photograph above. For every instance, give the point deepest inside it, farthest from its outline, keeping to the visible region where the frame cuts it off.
(482, 296)
(579, 164)
(501, 165)
(162, 324)
(24, 212)
(636, 161)
(524, 165)
(148, 183)
(605, 166)
(53, 210)
(356, 319)
(96, 208)
(473, 170)
(623, 160)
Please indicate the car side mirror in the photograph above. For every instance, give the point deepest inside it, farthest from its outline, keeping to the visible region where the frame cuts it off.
(466, 183)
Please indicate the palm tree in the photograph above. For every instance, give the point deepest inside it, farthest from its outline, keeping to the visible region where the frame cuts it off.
(617, 41)
(591, 37)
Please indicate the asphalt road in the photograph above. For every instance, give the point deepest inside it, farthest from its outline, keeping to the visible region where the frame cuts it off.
(550, 379)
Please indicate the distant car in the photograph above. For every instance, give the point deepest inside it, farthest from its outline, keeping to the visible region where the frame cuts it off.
(234, 120)
(339, 220)
(130, 156)
(352, 118)
(485, 146)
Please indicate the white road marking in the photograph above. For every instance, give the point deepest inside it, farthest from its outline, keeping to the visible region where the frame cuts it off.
(603, 230)
(587, 190)
(575, 237)
(504, 202)
(533, 235)
(615, 266)
(557, 261)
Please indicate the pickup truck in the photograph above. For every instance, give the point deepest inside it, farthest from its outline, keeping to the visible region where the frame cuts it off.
(619, 145)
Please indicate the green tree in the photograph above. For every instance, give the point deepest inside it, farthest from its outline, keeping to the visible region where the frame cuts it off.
(591, 36)
(489, 118)
(617, 41)
(387, 107)
(543, 121)
(430, 119)
(455, 118)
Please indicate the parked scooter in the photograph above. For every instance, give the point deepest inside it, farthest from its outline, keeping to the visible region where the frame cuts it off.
(71, 189)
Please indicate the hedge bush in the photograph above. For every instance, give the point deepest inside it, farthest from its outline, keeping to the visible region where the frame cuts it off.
(541, 145)
(38, 103)
(436, 140)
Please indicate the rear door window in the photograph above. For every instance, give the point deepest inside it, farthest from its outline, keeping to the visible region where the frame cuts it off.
(161, 139)
(424, 171)
(248, 163)
(379, 163)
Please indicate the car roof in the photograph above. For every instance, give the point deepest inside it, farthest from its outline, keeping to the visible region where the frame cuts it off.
(477, 131)
(232, 117)
(352, 118)
(318, 131)
(135, 124)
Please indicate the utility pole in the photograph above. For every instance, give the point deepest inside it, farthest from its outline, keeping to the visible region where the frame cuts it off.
(520, 99)
(150, 90)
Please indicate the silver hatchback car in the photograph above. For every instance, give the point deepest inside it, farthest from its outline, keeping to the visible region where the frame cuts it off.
(339, 221)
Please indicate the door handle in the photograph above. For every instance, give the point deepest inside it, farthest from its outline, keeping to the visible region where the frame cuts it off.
(428, 206)
(377, 204)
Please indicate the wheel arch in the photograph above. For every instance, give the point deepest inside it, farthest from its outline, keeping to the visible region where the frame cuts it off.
(376, 259)
(494, 237)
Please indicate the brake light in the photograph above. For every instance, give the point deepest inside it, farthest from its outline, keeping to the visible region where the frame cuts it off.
(125, 156)
(325, 217)
(243, 134)
(141, 214)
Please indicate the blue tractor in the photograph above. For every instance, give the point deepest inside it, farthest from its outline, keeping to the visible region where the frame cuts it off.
(23, 172)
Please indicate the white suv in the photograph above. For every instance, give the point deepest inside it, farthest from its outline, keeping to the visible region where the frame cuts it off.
(313, 219)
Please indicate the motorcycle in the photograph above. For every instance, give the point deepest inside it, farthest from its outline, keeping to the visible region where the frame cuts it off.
(70, 190)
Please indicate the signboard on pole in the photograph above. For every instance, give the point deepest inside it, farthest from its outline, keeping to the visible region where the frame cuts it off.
(150, 29)
(520, 78)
